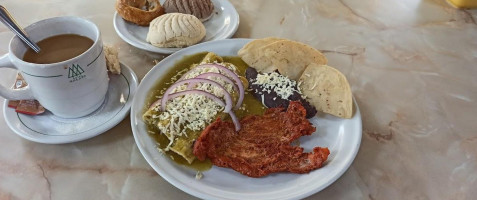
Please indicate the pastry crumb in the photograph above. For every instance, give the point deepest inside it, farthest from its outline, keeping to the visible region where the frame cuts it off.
(121, 99)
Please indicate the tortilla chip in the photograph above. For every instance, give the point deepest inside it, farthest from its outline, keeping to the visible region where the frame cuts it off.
(291, 58)
(327, 89)
(253, 54)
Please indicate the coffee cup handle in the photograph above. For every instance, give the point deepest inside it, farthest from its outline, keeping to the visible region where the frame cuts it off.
(13, 94)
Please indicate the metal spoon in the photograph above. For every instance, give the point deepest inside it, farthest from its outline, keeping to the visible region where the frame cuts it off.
(8, 20)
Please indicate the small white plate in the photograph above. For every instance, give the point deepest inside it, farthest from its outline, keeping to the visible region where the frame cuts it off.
(50, 129)
(222, 24)
(341, 136)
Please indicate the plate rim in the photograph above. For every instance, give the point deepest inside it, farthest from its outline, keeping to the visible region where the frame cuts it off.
(154, 49)
(65, 139)
(172, 180)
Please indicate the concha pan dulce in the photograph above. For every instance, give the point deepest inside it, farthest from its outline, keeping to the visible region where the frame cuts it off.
(202, 9)
(175, 30)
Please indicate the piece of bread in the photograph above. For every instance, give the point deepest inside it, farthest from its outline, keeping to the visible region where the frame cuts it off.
(175, 30)
(132, 10)
(112, 61)
(327, 89)
(202, 9)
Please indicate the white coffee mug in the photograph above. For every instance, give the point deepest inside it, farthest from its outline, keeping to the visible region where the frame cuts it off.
(69, 89)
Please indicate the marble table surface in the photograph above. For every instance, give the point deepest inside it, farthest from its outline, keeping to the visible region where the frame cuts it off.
(411, 65)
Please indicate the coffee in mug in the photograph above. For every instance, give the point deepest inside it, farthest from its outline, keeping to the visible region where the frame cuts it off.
(58, 48)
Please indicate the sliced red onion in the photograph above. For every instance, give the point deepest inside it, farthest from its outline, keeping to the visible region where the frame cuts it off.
(198, 92)
(156, 103)
(213, 74)
(228, 72)
(235, 121)
(228, 98)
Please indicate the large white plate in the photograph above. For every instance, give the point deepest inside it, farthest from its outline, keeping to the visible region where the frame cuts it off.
(223, 24)
(341, 136)
(50, 129)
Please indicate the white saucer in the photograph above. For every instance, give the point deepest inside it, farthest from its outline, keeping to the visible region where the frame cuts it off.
(223, 24)
(50, 129)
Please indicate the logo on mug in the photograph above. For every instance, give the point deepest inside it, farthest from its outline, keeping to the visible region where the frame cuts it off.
(75, 73)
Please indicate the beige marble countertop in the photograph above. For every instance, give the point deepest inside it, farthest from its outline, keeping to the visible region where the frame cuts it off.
(411, 65)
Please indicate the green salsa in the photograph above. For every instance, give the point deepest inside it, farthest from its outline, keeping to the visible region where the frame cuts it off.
(250, 105)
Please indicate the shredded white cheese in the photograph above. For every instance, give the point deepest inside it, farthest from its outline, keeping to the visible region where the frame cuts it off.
(263, 102)
(198, 175)
(274, 81)
(314, 85)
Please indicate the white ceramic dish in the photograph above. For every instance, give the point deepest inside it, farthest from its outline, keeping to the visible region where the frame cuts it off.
(50, 129)
(222, 24)
(341, 136)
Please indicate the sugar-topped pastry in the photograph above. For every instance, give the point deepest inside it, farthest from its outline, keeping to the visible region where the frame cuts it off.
(202, 9)
(175, 30)
(140, 12)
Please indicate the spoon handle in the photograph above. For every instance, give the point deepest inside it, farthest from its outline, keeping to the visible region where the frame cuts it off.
(8, 20)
